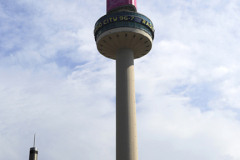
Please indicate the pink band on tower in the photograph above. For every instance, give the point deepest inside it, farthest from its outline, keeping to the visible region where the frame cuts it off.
(111, 4)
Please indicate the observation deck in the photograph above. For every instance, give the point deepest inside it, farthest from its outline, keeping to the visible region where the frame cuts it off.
(124, 29)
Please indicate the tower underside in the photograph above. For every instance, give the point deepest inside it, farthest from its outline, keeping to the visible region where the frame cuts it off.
(135, 39)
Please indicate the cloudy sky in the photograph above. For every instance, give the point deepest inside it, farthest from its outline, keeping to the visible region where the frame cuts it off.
(53, 81)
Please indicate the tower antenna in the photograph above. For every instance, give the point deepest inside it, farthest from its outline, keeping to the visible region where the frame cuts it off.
(34, 140)
(33, 155)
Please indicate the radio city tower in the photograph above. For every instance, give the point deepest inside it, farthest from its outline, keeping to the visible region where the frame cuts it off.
(123, 34)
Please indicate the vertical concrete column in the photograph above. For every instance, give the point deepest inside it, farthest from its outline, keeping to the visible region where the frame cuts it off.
(126, 123)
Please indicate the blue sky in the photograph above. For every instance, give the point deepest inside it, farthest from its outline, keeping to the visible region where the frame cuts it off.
(53, 81)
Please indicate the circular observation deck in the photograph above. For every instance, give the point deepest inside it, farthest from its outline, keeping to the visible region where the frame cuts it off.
(124, 29)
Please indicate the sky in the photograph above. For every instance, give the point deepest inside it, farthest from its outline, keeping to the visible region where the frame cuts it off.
(53, 81)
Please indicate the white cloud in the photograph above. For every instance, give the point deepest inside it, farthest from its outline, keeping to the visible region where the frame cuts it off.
(53, 82)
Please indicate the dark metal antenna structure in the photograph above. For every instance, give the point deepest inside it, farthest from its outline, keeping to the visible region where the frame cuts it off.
(33, 155)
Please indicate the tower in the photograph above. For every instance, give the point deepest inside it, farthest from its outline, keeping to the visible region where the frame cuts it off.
(123, 34)
(33, 155)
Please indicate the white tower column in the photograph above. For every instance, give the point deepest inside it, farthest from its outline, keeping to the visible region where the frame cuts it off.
(126, 123)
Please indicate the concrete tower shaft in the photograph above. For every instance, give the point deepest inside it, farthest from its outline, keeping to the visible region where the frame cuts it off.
(126, 122)
(124, 35)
